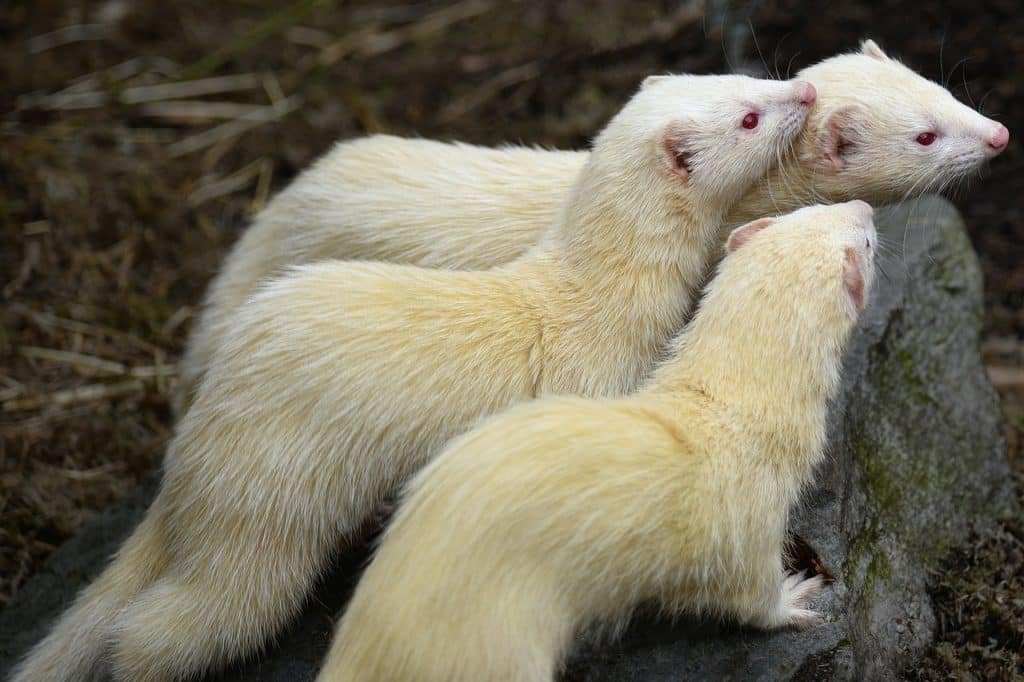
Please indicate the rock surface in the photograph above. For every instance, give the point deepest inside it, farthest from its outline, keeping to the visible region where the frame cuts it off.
(917, 459)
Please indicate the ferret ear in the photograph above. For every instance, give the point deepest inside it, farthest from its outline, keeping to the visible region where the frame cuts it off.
(742, 234)
(675, 143)
(853, 279)
(871, 49)
(651, 80)
(839, 134)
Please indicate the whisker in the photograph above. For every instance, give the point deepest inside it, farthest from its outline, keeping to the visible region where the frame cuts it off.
(942, 47)
(886, 247)
(725, 50)
(880, 268)
(952, 71)
(789, 66)
(775, 58)
(757, 46)
(981, 102)
(967, 90)
(929, 183)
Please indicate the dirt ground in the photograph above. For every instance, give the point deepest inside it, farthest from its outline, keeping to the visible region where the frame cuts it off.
(119, 197)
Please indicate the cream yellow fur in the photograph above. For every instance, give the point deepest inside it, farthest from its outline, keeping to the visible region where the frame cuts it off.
(340, 380)
(566, 511)
(461, 206)
(337, 209)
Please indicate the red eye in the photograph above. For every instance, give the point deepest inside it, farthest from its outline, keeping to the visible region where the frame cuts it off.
(750, 121)
(925, 139)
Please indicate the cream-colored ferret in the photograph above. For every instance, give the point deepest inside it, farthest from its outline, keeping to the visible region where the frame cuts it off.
(566, 511)
(879, 132)
(340, 380)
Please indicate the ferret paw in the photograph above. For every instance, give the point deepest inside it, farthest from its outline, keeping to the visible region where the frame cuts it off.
(794, 596)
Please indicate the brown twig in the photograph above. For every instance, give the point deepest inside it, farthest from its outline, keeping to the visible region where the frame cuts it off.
(226, 185)
(48, 320)
(75, 395)
(369, 41)
(659, 31)
(234, 128)
(487, 90)
(192, 88)
(88, 364)
(67, 35)
(273, 25)
(200, 111)
(1006, 378)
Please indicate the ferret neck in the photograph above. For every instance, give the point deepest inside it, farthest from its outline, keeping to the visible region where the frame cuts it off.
(778, 380)
(625, 234)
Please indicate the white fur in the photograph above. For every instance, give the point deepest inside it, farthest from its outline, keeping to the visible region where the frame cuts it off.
(875, 107)
(339, 381)
(567, 511)
(461, 206)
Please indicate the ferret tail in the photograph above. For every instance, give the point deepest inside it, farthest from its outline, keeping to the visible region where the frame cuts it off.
(76, 647)
(220, 606)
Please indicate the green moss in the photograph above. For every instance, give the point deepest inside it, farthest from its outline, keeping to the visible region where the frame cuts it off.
(860, 549)
(878, 570)
(898, 485)
(908, 376)
(878, 478)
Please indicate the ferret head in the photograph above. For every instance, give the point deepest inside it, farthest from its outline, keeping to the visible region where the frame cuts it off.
(699, 141)
(814, 265)
(774, 321)
(881, 132)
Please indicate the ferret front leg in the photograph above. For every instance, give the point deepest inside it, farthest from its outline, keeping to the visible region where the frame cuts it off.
(771, 598)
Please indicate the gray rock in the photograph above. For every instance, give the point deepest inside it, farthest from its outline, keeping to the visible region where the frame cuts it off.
(917, 460)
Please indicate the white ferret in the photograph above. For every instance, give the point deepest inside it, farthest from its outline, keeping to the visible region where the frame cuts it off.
(342, 379)
(879, 132)
(566, 511)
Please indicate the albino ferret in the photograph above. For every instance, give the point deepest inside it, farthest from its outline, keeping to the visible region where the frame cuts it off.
(879, 132)
(566, 511)
(340, 380)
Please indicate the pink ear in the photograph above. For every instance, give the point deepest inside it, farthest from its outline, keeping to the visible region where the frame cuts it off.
(840, 132)
(853, 279)
(676, 153)
(741, 235)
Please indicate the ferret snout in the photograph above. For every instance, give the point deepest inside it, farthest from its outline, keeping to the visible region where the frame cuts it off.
(1000, 137)
(866, 220)
(863, 215)
(805, 93)
(872, 234)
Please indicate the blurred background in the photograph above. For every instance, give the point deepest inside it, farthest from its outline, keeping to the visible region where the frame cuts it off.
(138, 137)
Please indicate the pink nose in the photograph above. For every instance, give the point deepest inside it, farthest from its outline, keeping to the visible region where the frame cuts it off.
(999, 138)
(805, 93)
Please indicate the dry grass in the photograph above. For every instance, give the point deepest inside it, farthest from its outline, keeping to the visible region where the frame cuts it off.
(979, 591)
(979, 600)
(981, 611)
(139, 137)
